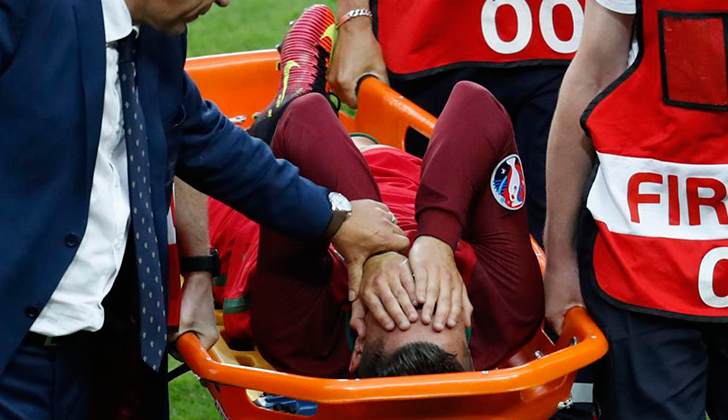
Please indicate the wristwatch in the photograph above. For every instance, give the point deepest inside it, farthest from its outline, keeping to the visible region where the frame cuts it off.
(341, 208)
(209, 263)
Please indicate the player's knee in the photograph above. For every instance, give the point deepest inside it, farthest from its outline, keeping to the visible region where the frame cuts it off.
(310, 106)
(306, 114)
(476, 101)
(473, 95)
(468, 88)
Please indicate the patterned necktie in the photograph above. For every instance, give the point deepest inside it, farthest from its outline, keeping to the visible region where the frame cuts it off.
(152, 323)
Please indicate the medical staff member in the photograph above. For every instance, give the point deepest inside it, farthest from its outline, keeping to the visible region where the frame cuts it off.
(517, 49)
(96, 116)
(651, 238)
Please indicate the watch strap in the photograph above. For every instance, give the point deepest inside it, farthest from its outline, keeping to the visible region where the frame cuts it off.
(209, 263)
(337, 219)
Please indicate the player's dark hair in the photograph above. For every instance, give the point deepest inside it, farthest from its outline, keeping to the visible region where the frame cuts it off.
(419, 358)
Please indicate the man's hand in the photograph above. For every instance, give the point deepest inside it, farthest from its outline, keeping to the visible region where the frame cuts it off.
(197, 312)
(357, 54)
(438, 282)
(388, 290)
(561, 286)
(369, 230)
(358, 316)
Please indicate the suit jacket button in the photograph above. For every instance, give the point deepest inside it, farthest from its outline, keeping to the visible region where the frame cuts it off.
(72, 240)
(32, 312)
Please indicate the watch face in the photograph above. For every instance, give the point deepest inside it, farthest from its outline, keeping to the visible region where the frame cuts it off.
(339, 202)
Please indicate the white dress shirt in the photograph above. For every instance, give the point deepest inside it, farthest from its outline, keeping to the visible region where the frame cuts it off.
(76, 303)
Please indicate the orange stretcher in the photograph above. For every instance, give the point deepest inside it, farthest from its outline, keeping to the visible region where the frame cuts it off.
(531, 385)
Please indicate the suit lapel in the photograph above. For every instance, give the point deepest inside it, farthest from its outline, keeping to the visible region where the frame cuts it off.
(92, 46)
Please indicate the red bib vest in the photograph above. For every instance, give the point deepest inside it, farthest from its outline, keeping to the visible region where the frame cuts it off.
(423, 36)
(659, 193)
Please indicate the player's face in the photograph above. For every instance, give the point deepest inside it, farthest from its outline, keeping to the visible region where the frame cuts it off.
(171, 16)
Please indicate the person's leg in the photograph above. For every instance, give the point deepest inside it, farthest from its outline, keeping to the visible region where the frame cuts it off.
(656, 368)
(472, 137)
(430, 93)
(26, 385)
(123, 386)
(47, 383)
(74, 380)
(717, 339)
(528, 94)
(297, 319)
(310, 135)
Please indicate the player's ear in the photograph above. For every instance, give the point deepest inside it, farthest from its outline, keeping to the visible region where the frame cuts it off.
(359, 346)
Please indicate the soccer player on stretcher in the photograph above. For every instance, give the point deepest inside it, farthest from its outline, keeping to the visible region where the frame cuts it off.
(461, 206)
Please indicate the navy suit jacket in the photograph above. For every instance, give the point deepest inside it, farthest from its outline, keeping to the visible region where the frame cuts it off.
(52, 69)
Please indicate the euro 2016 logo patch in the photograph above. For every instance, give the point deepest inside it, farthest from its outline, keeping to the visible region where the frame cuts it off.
(508, 183)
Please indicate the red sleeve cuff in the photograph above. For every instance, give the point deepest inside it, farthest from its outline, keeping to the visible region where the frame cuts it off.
(441, 225)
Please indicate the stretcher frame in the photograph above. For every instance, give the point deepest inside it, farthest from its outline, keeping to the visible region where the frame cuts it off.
(531, 385)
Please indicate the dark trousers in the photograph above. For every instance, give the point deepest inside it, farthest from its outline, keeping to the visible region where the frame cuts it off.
(656, 368)
(125, 388)
(47, 383)
(529, 95)
(99, 376)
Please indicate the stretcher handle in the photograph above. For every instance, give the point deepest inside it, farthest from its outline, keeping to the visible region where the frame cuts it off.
(591, 346)
(387, 115)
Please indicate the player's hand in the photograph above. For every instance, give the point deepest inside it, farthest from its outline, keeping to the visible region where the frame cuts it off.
(197, 310)
(562, 291)
(358, 318)
(357, 54)
(438, 284)
(388, 290)
(370, 230)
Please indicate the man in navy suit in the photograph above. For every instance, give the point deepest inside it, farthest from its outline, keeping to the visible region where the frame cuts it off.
(96, 117)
